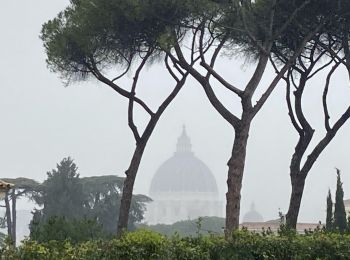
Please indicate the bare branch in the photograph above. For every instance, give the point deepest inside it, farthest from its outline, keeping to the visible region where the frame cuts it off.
(311, 159)
(289, 105)
(293, 80)
(173, 94)
(95, 71)
(334, 54)
(201, 46)
(273, 63)
(320, 69)
(177, 65)
(324, 97)
(285, 68)
(126, 70)
(195, 31)
(301, 63)
(227, 85)
(166, 60)
(298, 104)
(223, 111)
(133, 93)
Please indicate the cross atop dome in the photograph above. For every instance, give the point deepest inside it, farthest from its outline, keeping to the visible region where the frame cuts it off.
(183, 142)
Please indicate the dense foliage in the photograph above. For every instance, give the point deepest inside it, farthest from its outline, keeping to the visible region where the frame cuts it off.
(329, 216)
(149, 245)
(203, 225)
(339, 207)
(2, 239)
(61, 229)
(80, 208)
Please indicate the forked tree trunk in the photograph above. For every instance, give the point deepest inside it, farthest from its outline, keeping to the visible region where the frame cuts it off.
(298, 183)
(235, 177)
(128, 187)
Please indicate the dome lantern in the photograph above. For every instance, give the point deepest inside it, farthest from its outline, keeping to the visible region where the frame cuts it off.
(183, 142)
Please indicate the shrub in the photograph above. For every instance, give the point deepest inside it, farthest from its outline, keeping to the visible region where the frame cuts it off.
(144, 244)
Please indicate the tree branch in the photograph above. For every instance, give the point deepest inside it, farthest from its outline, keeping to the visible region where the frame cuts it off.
(311, 159)
(290, 108)
(94, 70)
(126, 70)
(166, 61)
(227, 85)
(284, 69)
(324, 97)
(223, 111)
(131, 122)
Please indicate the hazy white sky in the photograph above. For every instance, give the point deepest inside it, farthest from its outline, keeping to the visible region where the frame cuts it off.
(42, 121)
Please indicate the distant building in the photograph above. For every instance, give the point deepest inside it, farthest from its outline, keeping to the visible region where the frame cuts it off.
(274, 225)
(347, 206)
(183, 188)
(252, 215)
(253, 221)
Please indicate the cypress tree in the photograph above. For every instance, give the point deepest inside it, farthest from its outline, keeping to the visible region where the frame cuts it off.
(339, 210)
(329, 217)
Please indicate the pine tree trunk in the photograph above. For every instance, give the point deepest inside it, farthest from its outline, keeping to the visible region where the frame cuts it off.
(8, 215)
(235, 177)
(128, 187)
(298, 183)
(14, 217)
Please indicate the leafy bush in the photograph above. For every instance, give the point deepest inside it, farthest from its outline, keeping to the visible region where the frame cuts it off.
(61, 229)
(2, 239)
(204, 225)
(145, 244)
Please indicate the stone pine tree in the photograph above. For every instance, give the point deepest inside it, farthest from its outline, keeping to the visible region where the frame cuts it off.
(110, 39)
(340, 221)
(250, 29)
(329, 217)
(22, 187)
(325, 55)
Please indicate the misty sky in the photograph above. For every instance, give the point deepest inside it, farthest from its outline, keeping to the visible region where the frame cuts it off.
(42, 121)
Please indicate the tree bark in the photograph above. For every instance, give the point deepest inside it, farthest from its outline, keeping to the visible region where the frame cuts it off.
(128, 187)
(235, 176)
(298, 183)
(8, 215)
(14, 217)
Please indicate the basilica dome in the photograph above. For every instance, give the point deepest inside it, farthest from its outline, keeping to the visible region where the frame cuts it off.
(182, 188)
(253, 215)
(183, 172)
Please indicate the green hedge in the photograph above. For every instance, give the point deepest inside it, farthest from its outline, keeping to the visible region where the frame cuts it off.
(145, 244)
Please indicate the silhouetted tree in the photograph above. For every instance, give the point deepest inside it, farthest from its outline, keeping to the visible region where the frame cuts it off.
(340, 221)
(22, 187)
(250, 29)
(62, 192)
(102, 199)
(327, 48)
(90, 37)
(67, 198)
(329, 217)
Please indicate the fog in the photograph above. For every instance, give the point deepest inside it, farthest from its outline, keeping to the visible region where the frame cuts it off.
(42, 121)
